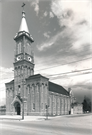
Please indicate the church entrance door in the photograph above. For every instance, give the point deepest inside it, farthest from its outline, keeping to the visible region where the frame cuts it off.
(17, 108)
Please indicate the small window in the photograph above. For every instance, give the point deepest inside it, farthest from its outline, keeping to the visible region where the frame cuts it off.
(42, 105)
(49, 102)
(18, 88)
(8, 92)
(34, 106)
(28, 90)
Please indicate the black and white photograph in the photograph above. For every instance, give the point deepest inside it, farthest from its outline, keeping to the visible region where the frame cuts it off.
(45, 67)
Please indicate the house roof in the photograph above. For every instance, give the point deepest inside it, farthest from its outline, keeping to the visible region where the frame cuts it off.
(57, 89)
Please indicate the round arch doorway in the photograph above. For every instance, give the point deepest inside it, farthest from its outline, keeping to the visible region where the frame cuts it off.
(17, 108)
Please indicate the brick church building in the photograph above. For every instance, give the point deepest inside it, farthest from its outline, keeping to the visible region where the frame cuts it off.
(29, 92)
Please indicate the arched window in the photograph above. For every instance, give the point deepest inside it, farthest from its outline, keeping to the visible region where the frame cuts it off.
(19, 89)
(58, 102)
(18, 70)
(19, 47)
(28, 48)
(8, 92)
(33, 97)
(11, 91)
(32, 72)
(37, 95)
(29, 71)
(46, 94)
(25, 71)
(28, 89)
(22, 70)
(15, 71)
(54, 102)
(42, 96)
(49, 102)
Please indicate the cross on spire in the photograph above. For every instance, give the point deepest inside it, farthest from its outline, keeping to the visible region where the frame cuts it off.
(23, 5)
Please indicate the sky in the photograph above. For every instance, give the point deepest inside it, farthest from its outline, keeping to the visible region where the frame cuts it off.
(62, 33)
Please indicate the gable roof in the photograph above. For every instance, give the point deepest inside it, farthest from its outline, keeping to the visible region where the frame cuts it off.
(57, 89)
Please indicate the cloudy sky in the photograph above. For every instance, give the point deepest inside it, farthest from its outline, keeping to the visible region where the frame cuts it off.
(62, 31)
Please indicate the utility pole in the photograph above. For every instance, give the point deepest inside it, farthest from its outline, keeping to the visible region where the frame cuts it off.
(46, 112)
(23, 97)
(22, 109)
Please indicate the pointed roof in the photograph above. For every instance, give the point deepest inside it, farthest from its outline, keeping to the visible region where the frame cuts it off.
(23, 25)
(23, 30)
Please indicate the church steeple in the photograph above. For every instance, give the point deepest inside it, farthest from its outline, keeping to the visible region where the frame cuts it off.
(23, 30)
(24, 56)
(23, 26)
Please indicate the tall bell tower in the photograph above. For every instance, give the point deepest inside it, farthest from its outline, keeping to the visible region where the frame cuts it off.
(23, 58)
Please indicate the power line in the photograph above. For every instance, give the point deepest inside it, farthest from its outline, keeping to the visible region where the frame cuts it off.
(72, 72)
(64, 64)
(57, 77)
(67, 72)
(60, 65)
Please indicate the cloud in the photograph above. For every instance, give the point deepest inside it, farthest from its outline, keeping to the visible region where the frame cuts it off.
(35, 4)
(46, 34)
(76, 17)
(71, 12)
(59, 39)
(45, 13)
(75, 33)
(82, 89)
(44, 45)
(51, 15)
(82, 22)
(5, 73)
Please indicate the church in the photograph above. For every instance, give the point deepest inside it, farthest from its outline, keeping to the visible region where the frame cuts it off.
(29, 93)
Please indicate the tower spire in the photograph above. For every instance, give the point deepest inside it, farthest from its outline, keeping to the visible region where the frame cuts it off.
(23, 25)
(23, 29)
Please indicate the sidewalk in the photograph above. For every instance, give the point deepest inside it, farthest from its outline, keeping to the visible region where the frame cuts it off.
(18, 117)
(37, 118)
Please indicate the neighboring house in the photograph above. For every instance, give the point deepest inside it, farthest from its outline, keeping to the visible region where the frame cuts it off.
(33, 94)
(2, 110)
(77, 108)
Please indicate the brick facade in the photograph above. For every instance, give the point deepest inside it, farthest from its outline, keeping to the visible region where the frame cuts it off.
(37, 96)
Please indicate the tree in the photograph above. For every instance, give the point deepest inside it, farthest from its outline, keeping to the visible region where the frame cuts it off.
(86, 104)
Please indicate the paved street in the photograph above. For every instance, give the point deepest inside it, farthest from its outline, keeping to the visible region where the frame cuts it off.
(61, 125)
